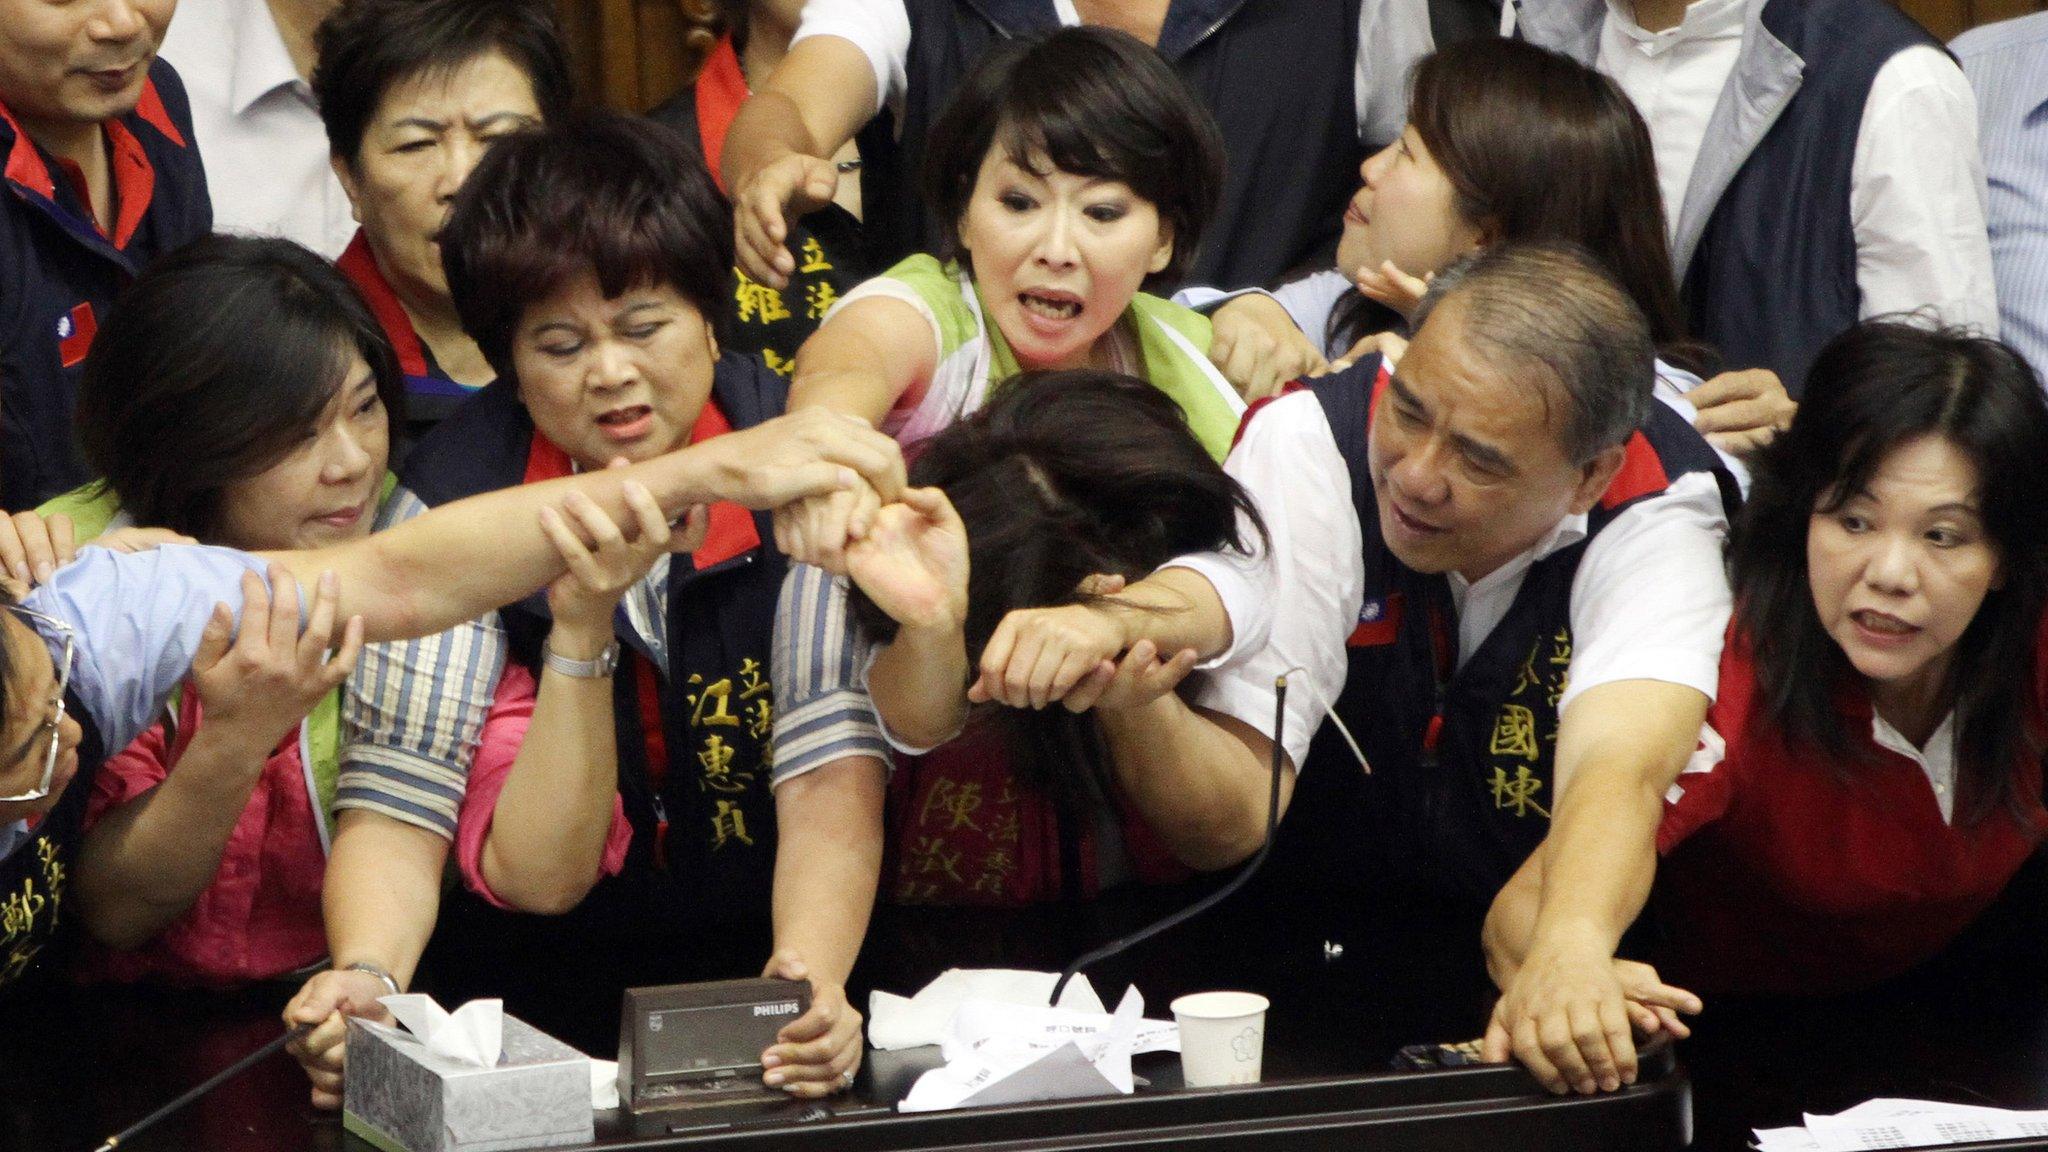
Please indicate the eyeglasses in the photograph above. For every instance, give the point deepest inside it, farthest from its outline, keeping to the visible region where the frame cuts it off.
(47, 735)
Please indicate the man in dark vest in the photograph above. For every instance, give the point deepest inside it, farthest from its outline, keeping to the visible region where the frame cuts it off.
(100, 176)
(1517, 614)
(1818, 159)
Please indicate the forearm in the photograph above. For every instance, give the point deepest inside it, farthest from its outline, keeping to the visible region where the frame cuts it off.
(546, 843)
(769, 126)
(919, 685)
(461, 560)
(1599, 858)
(382, 892)
(146, 861)
(828, 861)
(1511, 921)
(1201, 781)
(1175, 608)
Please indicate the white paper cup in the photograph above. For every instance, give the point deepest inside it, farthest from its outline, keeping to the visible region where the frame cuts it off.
(1222, 1037)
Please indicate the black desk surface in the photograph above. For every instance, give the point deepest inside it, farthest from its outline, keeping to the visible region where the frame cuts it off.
(76, 1065)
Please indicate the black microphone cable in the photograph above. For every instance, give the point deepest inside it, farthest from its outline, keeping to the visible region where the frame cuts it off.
(1217, 897)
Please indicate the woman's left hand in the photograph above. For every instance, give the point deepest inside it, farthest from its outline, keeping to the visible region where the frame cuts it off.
(1037, 655)
(817, 1053)
(602, 562)
(913, 563)
(1140, 678)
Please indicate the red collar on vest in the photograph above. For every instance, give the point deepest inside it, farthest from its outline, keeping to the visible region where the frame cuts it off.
(731, 531)
(360, 266)
(134, 176)
(721, 88)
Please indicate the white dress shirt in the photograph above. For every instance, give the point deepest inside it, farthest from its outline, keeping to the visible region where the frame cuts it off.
(258, 131)
(1649, 600)
(1916, 184)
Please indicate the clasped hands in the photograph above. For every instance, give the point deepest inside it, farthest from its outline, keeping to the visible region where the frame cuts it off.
(911, 557)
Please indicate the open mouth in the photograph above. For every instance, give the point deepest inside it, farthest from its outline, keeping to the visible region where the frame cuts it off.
(1050, 305)
(1353, 214)
(628, 423)
(1882, 625)
(1410, 523)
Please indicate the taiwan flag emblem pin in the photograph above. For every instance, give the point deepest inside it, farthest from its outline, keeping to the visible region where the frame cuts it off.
(75, 330)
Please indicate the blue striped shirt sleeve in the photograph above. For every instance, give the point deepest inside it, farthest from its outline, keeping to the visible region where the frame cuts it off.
(2007, 65)
(414, 713)
(822, 709)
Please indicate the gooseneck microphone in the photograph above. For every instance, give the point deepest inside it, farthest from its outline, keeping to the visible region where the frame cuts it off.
(1188, 913)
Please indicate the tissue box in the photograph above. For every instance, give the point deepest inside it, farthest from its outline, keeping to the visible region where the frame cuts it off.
(402, 1098)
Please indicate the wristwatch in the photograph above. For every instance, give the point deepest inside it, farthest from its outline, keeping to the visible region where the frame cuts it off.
(607, 661)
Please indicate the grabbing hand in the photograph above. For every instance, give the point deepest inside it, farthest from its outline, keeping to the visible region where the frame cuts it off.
(1393, 287)
(1140, 678)
(1654, 1006)
(1258, 348)
(1037, 655)
(1740, 412)
(817, 1053)
(582, 599)
(818, 530)
(1387, 344)
(913, 562)
(32, 547)
(765, 203)
(1565, 1016)
(325, 1002)
(261, 680)
(808, 453)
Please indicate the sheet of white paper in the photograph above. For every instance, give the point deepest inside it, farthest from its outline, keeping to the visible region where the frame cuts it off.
(1893, 1123)
(473, 1033)
(604, 1083)
(911, 1021)
(1007, 1053)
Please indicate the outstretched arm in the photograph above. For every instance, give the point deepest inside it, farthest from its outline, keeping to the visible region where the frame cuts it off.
(1562, 1010)
(461, 560)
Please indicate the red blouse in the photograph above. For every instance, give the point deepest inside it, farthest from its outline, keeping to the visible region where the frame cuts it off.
(1785, 874)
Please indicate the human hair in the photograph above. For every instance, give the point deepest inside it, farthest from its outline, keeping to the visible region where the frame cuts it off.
(1539, 147)
(1874, 388)
(1554, 309)
(1066, 475)
(1093, 102)
(366, 47)
(213, 366)
(618, 195)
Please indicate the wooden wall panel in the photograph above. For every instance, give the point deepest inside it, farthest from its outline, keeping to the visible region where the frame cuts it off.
(629, 54)
(1946, 18)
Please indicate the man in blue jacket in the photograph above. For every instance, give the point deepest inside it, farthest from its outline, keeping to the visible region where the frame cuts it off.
(101, 175)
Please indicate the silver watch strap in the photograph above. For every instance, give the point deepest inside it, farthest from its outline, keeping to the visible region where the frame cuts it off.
(597, 669)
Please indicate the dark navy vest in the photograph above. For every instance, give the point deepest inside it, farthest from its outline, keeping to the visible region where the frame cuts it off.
(689, 904)
(1460, 789)
(35, 876)
(1276, 74)
(1774, 276)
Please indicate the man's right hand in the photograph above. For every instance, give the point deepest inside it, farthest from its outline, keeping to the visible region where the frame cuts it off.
(326, 1002)
(764, 204)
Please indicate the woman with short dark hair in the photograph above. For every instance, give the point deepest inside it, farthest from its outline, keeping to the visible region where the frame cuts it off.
(590, 261)
(413, 92)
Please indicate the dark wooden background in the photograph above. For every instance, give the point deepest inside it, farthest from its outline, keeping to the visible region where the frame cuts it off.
(633, 54)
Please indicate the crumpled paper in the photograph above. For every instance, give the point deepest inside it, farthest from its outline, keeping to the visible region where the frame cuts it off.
(896, 1022)
(473, 1034)
(1005, 1053)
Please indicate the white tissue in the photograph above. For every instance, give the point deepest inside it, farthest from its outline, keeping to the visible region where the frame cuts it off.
(473, 1033)
(898, 1022)
(604, 1083)
(999, 1053)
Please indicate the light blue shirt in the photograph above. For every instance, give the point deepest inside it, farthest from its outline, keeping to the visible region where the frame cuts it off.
(137, 620)
(2007, 64)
